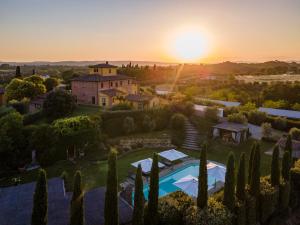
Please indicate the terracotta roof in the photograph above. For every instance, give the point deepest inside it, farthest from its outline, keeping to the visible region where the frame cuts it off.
(236, 127)
(138, 98)
(103, 65)
(99, 78)
(111, 92)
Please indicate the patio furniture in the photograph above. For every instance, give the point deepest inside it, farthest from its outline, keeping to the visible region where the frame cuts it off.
(146, 165)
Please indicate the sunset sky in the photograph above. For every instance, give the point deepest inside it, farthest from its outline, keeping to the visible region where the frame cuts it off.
(235, 30)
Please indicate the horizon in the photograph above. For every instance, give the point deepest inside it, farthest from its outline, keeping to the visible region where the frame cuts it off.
(166, 32)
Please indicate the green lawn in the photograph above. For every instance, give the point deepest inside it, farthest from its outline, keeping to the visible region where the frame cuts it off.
(85, 110)
(94, 172)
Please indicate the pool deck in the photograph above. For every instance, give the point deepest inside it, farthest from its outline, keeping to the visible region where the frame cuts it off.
(129, 182)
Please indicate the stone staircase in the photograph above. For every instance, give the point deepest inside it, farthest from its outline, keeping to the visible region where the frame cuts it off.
(191, 137)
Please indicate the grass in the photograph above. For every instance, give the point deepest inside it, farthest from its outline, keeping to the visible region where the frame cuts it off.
(85, 110)
(94, 172)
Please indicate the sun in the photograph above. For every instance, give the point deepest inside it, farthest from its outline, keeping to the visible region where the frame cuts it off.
(189, 45)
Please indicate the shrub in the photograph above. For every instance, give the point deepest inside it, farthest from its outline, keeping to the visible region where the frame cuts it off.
(173, 207)
(51, 83)
(295, 184)
(237, 118)
(266, 130)
(178, 129)
(284, 196)
(268, 199)
(280, 123)
(184, 107)
(20, 106)
(240, 213)
(121, 106)
(211, 113)
(215, 214)
(128, 125)
(295, 133)
(230, 110)
(256, 117)
(251, 210)
(32, 117)
(148, 123)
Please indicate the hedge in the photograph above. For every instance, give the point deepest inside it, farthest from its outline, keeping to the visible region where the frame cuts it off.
(32, 117)
(295, 185)
(284, 196)
(268, 199)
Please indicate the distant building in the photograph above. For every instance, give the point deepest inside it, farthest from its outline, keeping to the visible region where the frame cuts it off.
(105, 88)
(231, 132)
(37, 103)
(295, 147)
(2, 97)
(290, 114)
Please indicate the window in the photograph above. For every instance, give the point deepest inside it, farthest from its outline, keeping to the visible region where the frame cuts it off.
(109, 71)
(95, 70)
(101, 85)
(128, 81)
(111, 84)
(121, 83)
(93, 100)
(117, 84)
(103, 101)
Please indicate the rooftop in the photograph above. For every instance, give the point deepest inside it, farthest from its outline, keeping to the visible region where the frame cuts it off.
(138, 98)
(103, 65)
(281, 112)
(100, 78)
(236, 127)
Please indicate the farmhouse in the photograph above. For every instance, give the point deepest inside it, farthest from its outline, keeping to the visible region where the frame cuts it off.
(105, 88)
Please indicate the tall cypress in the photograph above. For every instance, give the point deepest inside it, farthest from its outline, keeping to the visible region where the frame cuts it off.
(138, 210)
(228, 200)
(40, 200)
(286, 163)
(255, 175)
(275, 171)
(288, 145)
(18, 72)
(77, 214)
(241, 179)
(152, 215)
(251, 162)
(111, 207)
(202, 184)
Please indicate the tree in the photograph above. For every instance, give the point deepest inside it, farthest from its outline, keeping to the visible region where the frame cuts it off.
(275, 171)
(18, 89)
(286, 166)
(12, 143)
(138, 210)
(128, 125)
(241, 179)
(228, 200)
(251, 161)
(148, 123)
(77, 214)
(237, 118)
(111, 207)
(255, 175)
(178, 129)
(59, 104)
(211, 113)
(18, 72)
(152, 215)
(34, 79)
(40, 200)
(202, 184)
(289, 145)
(295, 133)
(51, 83)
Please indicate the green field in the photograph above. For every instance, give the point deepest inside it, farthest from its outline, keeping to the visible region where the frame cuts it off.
(94, 172)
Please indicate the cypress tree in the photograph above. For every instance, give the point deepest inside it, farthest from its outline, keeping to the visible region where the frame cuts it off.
(18, 72)
(77, 215)
(241, 179)
(288, 145)
(202, 184)
(40, 200)
(111, 207)
(275, 171)
(138, 210)
(152, 215)
(228, 200)
(255, 175)
(251, 162)
(286, 162)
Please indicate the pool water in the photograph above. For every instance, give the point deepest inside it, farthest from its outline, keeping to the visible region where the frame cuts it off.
(166, 185)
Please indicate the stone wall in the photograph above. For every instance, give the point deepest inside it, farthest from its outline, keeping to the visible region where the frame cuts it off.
(146, 142)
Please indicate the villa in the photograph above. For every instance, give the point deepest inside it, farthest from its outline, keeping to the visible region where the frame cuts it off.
(105, 88)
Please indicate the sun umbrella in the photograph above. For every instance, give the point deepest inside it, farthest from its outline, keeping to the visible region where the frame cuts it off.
(188, 184)
(172, 155)
(146, 165)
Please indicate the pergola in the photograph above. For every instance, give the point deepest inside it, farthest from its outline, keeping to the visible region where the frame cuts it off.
(231, 132)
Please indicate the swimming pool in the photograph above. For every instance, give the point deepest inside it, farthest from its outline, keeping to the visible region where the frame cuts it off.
(166, 183)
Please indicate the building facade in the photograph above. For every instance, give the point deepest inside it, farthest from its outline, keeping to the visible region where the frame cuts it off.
(104, 87)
